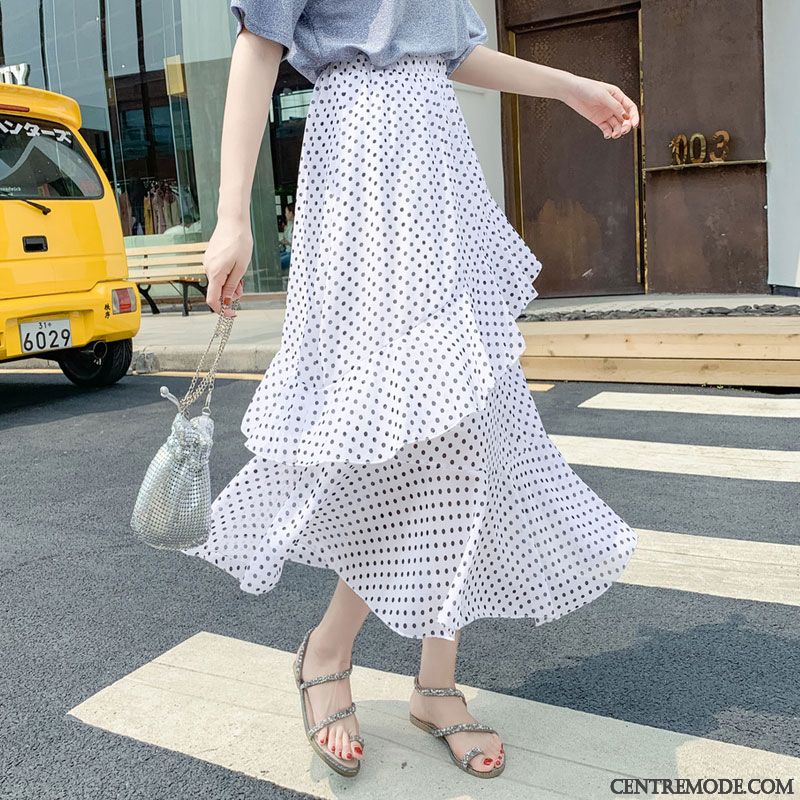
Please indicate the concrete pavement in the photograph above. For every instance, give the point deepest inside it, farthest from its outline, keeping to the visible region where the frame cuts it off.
(133, 673)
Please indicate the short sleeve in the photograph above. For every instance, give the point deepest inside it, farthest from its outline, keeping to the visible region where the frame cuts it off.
(476, 34)
(272, 19)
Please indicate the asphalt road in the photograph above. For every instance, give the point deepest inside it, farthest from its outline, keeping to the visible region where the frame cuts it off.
(84, 603)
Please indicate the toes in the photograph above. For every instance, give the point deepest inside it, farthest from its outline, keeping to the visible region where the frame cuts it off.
(499, 756)
(339, 733)
(482, 762)
(358, 751)
(322, 736)
(347, 753)
(490, 759)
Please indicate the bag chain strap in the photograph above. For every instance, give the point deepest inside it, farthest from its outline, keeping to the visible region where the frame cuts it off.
(223, 330)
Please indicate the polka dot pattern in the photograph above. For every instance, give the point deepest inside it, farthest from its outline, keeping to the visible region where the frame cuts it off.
(394, 438)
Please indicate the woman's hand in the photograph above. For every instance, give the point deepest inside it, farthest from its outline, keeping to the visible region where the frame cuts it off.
(226, 260)
(604, 104)
(251, 81)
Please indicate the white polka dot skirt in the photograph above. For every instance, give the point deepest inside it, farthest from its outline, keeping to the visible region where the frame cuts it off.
(394, 438)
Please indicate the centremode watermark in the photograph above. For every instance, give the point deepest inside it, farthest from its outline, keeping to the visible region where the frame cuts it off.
(697, 787)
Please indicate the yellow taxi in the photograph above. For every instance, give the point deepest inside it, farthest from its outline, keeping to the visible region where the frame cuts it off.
(64, 293)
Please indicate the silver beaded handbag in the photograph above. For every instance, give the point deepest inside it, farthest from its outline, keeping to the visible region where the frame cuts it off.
(173, 505)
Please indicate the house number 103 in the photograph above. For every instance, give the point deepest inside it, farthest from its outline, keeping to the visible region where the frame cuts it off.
(696, 150)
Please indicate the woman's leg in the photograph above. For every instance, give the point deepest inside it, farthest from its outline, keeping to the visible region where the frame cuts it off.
(438, 669)
(329, 649)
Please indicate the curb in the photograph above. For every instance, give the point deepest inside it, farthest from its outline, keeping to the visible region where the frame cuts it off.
(186, 358)
(178, 358)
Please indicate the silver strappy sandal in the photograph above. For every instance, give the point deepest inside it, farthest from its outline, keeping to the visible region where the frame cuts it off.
(463, 762)
(329, 758)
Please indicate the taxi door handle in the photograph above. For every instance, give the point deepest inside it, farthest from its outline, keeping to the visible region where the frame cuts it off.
(34, 244)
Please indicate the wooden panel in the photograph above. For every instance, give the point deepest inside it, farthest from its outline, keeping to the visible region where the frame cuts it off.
(579, 190)
(693, 337)
(135, 262)
(164, 276)
(192, 247)
(727, 372)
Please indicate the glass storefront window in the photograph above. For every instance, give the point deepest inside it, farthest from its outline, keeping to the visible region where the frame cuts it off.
(150, 77)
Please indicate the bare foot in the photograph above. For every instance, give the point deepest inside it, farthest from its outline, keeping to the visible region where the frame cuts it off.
(443, 711)
(326, 698)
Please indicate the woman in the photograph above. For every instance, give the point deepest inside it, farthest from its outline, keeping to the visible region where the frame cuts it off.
(394, 438)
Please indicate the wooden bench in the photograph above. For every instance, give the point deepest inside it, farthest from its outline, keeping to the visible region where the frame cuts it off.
(170, 263)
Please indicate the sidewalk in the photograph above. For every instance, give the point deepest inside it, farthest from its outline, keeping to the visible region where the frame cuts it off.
(170, 341)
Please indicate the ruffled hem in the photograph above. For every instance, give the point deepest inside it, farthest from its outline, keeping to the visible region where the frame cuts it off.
(496, 570)
(382, 402)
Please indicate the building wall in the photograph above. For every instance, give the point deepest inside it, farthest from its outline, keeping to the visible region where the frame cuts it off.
(781, 72)
(702, 73)
(481, 109)
(208, 39)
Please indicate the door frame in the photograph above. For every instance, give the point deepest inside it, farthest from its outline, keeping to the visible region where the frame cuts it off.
(510, 125)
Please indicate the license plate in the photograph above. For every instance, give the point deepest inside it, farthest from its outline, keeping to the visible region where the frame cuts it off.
(45, 334)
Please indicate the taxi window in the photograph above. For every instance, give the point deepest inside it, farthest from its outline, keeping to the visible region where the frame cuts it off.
(42, 159)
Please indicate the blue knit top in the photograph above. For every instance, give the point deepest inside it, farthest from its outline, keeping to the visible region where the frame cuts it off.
(316, 32)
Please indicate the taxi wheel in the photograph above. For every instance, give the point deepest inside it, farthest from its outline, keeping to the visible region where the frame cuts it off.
(84, 371)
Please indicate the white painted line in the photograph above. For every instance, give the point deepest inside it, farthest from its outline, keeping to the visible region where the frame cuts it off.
(30, 371)
(777, 407)
(736, 568)
(234, 704)
(681, 459)
(240, 376)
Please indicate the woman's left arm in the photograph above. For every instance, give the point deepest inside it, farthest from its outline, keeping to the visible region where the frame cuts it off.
(603, 104)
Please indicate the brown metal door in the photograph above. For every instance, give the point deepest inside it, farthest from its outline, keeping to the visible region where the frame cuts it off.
(580, 193)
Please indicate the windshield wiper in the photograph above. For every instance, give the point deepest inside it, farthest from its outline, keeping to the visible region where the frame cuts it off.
(44, 209)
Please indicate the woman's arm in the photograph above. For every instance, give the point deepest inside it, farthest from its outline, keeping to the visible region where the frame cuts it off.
(251, 80)
(603, 104)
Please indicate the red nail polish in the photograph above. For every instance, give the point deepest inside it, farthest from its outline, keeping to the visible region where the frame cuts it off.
(487, 760)
(349, 755)
(358, 750)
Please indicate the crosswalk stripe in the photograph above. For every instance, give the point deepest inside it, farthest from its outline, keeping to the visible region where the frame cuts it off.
(234, 704)
(735, 568)
(682, 459)
(776, 407)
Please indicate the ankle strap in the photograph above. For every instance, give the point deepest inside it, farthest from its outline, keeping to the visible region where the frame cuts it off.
(333, 676)
(445, 691)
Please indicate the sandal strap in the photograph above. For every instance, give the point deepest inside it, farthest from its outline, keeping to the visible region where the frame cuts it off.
(333, 676)
(356, 737)
(445, 691)
(462, 726)
(340, 714)
(301, 652)
(469, 755)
